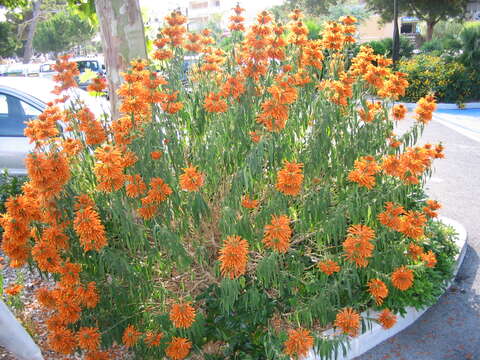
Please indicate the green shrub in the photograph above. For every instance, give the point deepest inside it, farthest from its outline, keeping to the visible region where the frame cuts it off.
(384, 47)
(9, 186)
(449, 81)
(470, 38)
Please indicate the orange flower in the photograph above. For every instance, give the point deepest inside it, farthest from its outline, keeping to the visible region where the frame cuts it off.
(46, 298)
(429, 259)
(90, 230)
(278, 233)
(412, 224)
(402, 278)
(215, 104)
(98, 84)
(414, 251)
(249, 203)
(357, 245)
(290, 178)
(88, 338)
(233, 257)
(378, 290)
(182, 315)
(130, 336)
(70, 273)
(387, 319)
(364, 173)
(398, 112)
(62, 340)
(425, 108)
(299, 343)
(14, 290)
(155, 155)
(191, 179)
(134, 186)
(349, 321)
(429, 210)
(178, 348)
(147, 211)
(391, 216)
(328, 266)
(159, 192)
(88, 296)
(255, 136)
(153, 339)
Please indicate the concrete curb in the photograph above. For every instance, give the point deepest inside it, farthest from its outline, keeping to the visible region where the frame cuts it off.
(444, 106)
(375, 334)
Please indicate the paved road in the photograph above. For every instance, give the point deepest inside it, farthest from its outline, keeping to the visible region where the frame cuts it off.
(450, 330)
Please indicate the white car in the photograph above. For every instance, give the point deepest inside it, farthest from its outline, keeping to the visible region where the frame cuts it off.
(22, 99)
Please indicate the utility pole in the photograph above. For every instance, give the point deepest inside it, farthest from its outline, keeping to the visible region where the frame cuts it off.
(396, 36)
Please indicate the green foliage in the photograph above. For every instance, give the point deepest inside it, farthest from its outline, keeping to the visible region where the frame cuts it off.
(470, 38)
(8, 40)
(9, 186)
(427, 10)
(447, 45)
(450, 81)
(384, 47)
(62, 32)
(12, 3)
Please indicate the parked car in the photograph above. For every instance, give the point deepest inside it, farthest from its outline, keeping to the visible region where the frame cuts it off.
(22, 100)
(46, 70)
(88, 64)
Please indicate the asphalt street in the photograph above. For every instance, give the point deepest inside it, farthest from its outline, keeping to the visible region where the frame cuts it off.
(450, 330)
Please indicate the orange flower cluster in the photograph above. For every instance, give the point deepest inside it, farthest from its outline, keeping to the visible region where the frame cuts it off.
(339, 90)
(14, 290)
(368, 114)
(134, 185)
(274, 113)
(182, 315)
(159, 191)
(290, 178)
(175, 29)
(45, 126)
(153, 339)
(278, 233)
(410, 223)
(233, 257)
(333, 36)
(328, 267)
(233, 86)
(357, 245)
(215, 104)
(349, 321)
(430, 209)
(312, 54)
(298, 30)
(237, 19)
(213, 60)
(98, 84)
(399, 111)
(429, 258)
(194, 44)
(90, 230)
(88, 338)
(94, 132)
(249, 203)
(378, 290)
(191, 179)
(402, 278)
(425, 108)
(171, 105)
(130, 336)
(178, 348)
(411, 164)
(66, 73)
(364, 173)
(109, 168)
(387, 319)
(394, 86)
(161, 52)
(299, 343)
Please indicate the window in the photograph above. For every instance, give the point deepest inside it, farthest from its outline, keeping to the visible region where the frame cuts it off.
(14, 113)
(84, 65)
(199, 5)
(408, 28)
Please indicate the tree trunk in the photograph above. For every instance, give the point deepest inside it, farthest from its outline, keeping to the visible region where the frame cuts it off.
(430, 26)
(123, 39)
(28, 51)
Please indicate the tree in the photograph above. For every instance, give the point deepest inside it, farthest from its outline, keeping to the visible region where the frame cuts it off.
(311, 7)
(430, 11)
(10, 4)
(74, 31)
(8, 40)
(27, 55)
(123, 38)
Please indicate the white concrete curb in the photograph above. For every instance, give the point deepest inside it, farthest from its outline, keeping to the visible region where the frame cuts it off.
(375, 333)
(444, 106)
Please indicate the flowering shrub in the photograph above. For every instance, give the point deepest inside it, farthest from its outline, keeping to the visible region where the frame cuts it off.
(236, 216)
(450, 81)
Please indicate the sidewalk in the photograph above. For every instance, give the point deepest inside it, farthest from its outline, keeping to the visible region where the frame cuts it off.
(450, 330)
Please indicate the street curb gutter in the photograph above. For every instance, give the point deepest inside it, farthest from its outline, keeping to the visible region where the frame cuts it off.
(375, 334)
